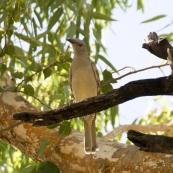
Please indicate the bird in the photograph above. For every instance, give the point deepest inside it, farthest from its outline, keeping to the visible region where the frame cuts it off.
(84, 82)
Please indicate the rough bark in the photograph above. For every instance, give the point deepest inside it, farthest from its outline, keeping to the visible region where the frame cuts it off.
(157, 46)
(67, 152)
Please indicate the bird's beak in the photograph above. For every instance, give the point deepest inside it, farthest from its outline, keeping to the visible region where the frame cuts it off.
(71, 40)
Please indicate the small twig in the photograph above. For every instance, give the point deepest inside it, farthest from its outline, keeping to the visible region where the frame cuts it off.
(129, 73)
(162, 71)
(125, 68)
(34, 98)
(10, 127)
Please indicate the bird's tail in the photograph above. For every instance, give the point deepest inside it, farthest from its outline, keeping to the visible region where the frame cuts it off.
(90, 144)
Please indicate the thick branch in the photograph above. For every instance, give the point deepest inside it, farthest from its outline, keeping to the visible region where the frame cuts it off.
(148, 87)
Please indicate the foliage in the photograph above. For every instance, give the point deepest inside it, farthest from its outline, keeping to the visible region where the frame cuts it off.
(11, 160)
(162, 115)
(43, 167)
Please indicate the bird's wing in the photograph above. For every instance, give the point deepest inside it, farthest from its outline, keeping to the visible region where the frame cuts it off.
(96, 74)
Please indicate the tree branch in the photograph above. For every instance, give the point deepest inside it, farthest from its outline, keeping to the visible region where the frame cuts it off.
(132, 90)
(151, 143)
(132, 72)
(157, 46)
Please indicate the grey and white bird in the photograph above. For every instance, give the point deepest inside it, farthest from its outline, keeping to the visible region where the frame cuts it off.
(84, 82)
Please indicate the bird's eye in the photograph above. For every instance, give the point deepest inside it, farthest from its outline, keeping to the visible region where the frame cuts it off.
(80, 45)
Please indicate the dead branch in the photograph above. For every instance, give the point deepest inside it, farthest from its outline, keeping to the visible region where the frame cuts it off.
(151, 143)
(157, 46)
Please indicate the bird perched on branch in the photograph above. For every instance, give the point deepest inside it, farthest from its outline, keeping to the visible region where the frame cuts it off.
(84, 82)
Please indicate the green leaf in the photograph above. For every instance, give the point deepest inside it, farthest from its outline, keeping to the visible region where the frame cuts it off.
(135, 121)
(165, 27)
(47, 72)
(35, 26)
(17, 74)
(43, 144)
(71, 30)
(34, 66)
(89, 15)
(2, 53)
(29, 40)
(56, 17)
(1, 89)
(2, 31)
(65, 128)
(53, 126)
(106, 88)
(140, 5)
(107, 75)
(59, 3)
(28, 89)
(3, 68)
(113, 113)
(38, 17)
(29, 169)
(154, 18)
(102, 17)
(47, 167)
(18, 51)
(80, 4)
(51, 36)
(99, 134)
(9, 50)
(57, 96)
(17, 17)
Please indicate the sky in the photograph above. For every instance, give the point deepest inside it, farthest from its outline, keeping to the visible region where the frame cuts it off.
(124, 40)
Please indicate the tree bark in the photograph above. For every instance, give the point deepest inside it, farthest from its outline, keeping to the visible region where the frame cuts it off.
(67, 152)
